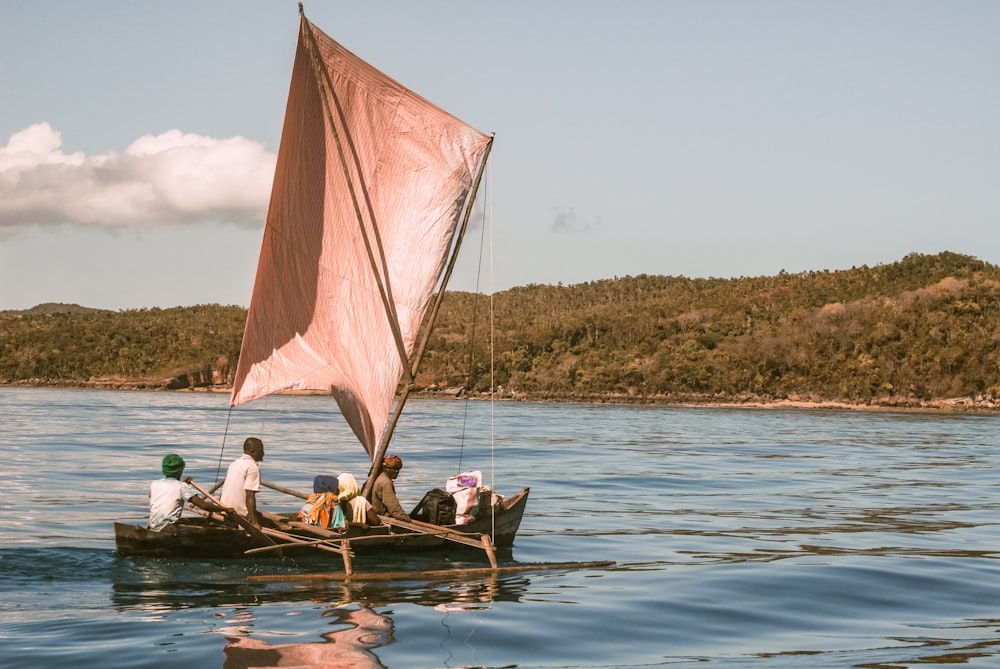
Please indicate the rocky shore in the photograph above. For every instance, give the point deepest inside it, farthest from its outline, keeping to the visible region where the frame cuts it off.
(187, 383)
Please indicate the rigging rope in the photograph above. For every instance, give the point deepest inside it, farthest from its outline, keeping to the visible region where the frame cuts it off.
(260, 435)
(222, 450)
(489, 199)
(488, 227)
(472, 332)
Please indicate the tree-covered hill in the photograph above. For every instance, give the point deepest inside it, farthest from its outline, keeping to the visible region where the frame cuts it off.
(134, 348)
(922, 329)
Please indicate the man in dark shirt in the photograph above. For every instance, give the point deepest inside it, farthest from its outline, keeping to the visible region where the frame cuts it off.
(384, 500)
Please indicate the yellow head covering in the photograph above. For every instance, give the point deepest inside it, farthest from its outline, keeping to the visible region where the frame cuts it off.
(348, 488)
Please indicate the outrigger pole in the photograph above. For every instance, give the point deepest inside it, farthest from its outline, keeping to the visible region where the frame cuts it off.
(431, 575)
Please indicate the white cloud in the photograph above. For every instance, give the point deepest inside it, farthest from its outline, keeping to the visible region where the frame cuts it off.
(168, 179)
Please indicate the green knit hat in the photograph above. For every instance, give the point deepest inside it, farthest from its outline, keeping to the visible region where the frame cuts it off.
(173, 465)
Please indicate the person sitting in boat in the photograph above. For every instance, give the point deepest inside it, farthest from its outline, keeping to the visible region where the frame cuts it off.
(384, 500)
(239, 492)
(355, 507)
(322, 507)
(168, 496)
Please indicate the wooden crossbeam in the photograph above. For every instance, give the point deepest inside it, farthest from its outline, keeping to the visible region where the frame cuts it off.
(482, 541)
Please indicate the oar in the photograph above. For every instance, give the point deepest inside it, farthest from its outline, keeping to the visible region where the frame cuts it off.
(254, 531)
(329, 538)
(287, 491)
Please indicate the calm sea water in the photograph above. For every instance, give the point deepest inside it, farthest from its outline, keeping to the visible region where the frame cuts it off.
(741, 538)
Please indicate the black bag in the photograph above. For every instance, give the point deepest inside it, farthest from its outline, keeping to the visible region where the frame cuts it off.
(437, 507)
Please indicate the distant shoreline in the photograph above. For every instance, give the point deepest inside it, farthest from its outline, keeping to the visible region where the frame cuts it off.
(950, 405)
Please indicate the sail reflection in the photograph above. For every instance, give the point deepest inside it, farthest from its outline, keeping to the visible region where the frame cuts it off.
(362, 629)
(351, 647)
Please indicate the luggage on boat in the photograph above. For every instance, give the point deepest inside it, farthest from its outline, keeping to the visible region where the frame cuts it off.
(465, 489)
(437, 507)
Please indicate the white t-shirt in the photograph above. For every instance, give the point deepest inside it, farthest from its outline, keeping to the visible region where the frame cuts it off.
(243, 474)
(167, 498)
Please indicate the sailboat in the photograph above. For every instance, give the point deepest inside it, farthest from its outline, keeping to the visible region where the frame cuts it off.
(373, 190)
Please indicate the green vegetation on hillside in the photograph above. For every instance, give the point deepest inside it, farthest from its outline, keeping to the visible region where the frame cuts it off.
(146, 347)
(925, 328)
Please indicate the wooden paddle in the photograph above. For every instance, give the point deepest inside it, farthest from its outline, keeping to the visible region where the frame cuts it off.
(256, 532)
(287, 491)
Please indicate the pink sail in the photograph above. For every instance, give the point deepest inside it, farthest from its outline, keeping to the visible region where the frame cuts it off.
(317, 319)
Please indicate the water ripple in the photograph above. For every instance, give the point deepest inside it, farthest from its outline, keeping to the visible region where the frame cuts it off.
(741, 538)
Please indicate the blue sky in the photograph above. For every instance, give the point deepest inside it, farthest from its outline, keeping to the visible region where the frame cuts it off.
(701, 138)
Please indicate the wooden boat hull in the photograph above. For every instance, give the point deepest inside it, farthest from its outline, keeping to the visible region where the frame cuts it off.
(198, 537)
(191, 537)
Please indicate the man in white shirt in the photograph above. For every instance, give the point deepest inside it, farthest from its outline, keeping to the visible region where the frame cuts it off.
(168, 495)
(239, 492)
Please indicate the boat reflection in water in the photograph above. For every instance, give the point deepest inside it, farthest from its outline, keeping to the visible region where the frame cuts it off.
(349, 621)
(352, 646)
(362, 628)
